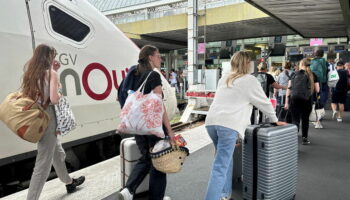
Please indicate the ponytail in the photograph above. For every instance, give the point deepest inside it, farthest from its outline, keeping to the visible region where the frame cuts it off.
(311, 79)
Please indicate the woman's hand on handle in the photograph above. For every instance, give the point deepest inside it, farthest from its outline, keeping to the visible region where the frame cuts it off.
(171, 137)
(281, 123)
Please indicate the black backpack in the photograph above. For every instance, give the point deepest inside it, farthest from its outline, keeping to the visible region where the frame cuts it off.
(300, 86)
(126, 85)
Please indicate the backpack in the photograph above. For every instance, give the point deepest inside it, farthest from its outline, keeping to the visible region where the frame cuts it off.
(333, 76)
(262, 78)
(126, 85)
(300, 88)
(318, 66)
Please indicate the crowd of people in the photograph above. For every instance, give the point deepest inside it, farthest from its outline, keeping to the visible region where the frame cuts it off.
(317, 71)
(229, 115)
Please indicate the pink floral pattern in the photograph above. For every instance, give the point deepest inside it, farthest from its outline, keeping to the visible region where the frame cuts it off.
(139, 96)
(142, 115)
(122, 126)
(126, 109)
(152, 110)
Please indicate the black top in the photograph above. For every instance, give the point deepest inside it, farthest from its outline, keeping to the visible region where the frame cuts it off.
(153, 81)
(270, 81)
(342, 85)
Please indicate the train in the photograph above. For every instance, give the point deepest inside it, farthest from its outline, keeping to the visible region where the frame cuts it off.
(94, 56)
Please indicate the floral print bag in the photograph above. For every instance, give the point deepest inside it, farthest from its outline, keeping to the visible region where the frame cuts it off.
(142, 113)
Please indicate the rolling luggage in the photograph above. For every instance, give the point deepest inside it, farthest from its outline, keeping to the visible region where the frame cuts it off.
(270, 162)
(237, 162)
(129, 155)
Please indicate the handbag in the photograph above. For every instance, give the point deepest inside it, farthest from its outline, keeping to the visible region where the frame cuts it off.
(142, 113)
(169, 160)
(24, 116)
(313, 115)
(65, 118)
(317, 113)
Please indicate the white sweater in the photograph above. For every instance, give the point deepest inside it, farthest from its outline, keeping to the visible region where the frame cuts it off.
(232, 106)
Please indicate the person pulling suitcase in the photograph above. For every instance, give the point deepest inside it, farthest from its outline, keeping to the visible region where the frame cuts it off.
(229, 116)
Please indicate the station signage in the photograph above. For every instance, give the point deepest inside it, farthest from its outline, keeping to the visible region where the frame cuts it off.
(316, 41)
(293, 51)
(339, 48)
(308, 50)
(201, 48)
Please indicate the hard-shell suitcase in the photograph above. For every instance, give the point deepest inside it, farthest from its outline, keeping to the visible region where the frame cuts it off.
(270, 162)
(237, 163)
(129, 155)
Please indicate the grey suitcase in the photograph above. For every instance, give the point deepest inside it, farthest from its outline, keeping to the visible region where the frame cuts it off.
(270, 162)
(129, 155)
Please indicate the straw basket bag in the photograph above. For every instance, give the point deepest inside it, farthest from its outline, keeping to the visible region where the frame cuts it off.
(24, 116)
(169, 160)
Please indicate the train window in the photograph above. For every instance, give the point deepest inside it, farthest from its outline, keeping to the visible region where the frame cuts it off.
(67, 25)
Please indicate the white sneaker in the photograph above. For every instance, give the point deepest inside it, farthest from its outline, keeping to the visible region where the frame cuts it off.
(166, 198)
(339, 120)
(124, 195)
(318, 125)
(334, 114)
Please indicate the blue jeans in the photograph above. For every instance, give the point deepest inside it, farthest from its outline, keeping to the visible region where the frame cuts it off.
(220, 181)
(324, 94)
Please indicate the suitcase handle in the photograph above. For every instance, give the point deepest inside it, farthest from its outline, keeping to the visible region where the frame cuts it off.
(266, 125)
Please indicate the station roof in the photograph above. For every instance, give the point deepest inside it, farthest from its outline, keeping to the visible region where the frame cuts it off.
(230, 22)
(118, 6)
(310, 18)
(106, 5)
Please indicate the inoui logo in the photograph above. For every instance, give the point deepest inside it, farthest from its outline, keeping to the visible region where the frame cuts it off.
(111, 80)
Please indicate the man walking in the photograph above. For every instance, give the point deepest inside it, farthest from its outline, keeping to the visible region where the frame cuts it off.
(319, 67)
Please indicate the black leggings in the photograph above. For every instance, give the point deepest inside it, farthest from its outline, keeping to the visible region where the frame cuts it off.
(301, 110)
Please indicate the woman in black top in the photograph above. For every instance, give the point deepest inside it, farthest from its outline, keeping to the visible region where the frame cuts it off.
(301, 89)
(149, 58)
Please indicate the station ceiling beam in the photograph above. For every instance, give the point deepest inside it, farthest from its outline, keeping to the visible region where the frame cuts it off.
(163, 40)
(309, 18)
(345, 6)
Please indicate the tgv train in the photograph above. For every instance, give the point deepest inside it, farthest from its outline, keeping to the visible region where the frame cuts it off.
(94, 57)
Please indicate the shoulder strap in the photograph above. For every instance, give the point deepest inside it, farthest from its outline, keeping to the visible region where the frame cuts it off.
(142, 86)
(48, 101)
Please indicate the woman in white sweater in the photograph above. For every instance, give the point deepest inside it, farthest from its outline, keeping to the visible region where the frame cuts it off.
(229, 116)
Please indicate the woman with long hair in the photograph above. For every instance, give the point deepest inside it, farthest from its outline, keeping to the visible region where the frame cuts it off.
(229, 116)
(301, 88)
(149, 59)
(40, 80)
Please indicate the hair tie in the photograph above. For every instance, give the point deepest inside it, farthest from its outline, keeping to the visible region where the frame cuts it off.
(142, 61)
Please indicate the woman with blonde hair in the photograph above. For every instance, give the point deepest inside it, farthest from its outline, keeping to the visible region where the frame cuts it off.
(229, 116)
(301, 88)
(40, 80)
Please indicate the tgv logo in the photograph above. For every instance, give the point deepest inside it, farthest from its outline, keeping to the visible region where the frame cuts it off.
(111, 80)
